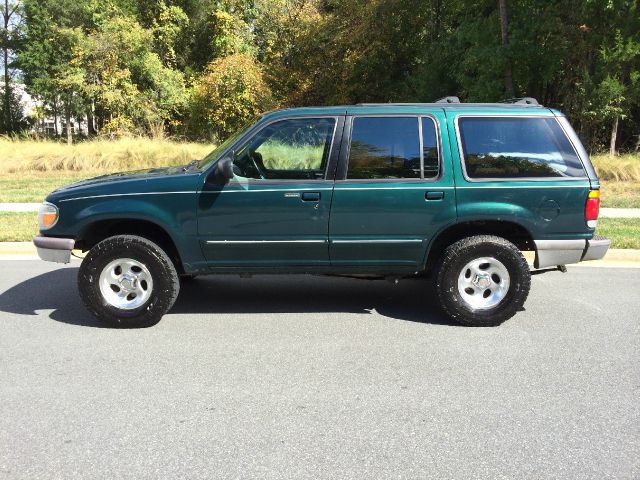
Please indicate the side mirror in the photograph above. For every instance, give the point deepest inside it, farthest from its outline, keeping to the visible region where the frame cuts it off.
(224, 170)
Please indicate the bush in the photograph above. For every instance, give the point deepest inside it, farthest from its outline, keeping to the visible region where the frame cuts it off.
(231, 91)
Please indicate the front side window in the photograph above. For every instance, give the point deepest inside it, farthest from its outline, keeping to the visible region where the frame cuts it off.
(384, 148)
(287, 150)
(517, 147)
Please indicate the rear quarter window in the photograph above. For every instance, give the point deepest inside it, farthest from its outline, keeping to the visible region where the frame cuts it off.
(517, 147)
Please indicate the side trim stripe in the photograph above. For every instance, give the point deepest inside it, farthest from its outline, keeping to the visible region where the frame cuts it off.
(123, 195)
(391, 240)
(243, 242)
(524, 186)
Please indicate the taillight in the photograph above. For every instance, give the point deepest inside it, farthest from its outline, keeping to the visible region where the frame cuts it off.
(592, 208)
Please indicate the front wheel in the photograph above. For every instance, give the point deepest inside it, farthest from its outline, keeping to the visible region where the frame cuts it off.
(482, 280)
(128, 281)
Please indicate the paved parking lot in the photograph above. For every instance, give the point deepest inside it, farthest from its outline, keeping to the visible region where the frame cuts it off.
(309, 377)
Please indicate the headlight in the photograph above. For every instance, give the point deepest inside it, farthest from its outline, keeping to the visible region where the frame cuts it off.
(47, 216)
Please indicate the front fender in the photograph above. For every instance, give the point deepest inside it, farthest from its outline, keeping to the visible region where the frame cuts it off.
(174, 213)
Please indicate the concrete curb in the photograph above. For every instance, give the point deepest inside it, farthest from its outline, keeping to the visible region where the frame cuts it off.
(616, 257)
(619, 213)
(19, 207)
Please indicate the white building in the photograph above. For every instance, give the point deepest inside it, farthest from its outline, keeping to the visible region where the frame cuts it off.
(46, 126)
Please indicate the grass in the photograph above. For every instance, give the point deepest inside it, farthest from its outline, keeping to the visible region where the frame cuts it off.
(624, 232)
(33, 187)
(623, 168)
(277, 156)
(619, 179)
(18, 227)
(94, 157)
(620, 194)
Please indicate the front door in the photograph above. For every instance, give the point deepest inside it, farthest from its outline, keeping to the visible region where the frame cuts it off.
(394, 191)
(275, 211)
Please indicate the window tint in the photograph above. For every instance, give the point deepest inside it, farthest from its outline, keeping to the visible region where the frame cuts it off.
(430, 148)
(517, 147)
(290, 149)
(384, 148)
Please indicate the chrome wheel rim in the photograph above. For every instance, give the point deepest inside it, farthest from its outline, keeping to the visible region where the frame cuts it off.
(483, 283)
(126, 284)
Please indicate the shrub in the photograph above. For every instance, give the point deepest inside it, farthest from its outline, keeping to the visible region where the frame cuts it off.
(231, 91)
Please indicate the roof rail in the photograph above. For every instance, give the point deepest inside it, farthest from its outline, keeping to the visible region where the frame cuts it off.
(450, 99)
(521, 101)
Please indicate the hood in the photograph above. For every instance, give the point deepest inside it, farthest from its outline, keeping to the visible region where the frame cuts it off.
(120, 176)
(139, 181)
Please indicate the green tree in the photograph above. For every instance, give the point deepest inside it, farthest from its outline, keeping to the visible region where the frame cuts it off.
(8, 42)
(231, 91)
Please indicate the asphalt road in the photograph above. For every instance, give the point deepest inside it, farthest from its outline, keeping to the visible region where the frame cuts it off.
(304, 377)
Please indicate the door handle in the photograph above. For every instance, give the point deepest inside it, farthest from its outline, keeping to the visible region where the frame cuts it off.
(311, 196)
(434, 195)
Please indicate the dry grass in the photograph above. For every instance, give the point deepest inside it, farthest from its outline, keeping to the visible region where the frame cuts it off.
(624, 168)
(97, 156)
(620, 194)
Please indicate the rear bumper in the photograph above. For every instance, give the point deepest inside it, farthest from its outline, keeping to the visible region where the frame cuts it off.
(52, 249)
(550, 253)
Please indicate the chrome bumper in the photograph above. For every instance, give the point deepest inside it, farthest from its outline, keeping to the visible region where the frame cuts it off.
(52, 249)
(550, 253)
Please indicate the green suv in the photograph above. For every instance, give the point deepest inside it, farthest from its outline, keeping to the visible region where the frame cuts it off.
(445, 190)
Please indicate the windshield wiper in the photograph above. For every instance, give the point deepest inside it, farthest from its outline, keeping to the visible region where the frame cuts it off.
(191, 165)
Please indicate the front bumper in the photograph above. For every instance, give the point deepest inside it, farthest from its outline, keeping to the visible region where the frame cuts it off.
(53, 249)
(550, 253)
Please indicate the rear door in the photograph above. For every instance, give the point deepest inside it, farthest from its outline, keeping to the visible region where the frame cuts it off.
(394, 189)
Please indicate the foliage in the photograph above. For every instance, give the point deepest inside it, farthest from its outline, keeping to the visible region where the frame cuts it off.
(128, 66)
(230, 91)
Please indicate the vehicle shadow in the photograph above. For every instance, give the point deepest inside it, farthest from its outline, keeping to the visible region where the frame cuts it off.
(410, 300)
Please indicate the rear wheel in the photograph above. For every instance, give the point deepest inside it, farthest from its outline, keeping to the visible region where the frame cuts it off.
(482, 280)
(128, 281)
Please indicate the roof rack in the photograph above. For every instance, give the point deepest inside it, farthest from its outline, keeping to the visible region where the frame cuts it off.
(530, 101)
(521, 101)
(451, 99)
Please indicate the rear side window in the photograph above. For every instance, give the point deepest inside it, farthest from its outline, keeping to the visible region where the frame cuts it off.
(517, 147)
(430, 148)
(384, 147)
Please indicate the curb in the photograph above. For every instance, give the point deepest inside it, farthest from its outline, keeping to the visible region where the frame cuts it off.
(19, 207)
(616, 257)
(619, 212)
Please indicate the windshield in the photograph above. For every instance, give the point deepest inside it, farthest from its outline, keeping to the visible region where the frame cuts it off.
(213, 156)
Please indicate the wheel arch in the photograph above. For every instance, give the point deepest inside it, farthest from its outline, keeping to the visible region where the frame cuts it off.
(98, 230)
(509, 230)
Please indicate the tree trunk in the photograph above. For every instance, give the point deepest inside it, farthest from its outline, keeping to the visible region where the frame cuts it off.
(614, 136)
(67, 115)
(504, 29)
(5, 64)
(91, 127)
(55, 118)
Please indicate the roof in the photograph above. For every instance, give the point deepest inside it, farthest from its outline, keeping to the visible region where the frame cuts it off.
(514, 105)
(415, 108)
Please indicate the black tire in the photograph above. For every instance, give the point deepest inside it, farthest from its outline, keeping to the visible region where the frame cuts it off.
(460, 306)
(163, 273)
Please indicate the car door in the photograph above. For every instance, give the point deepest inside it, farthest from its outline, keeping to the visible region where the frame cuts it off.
(275, 211)
(393, 191)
